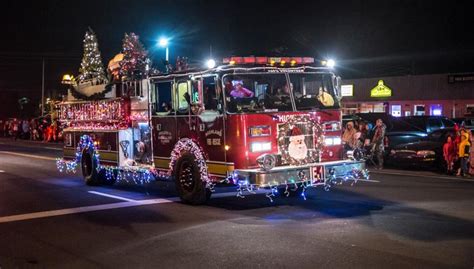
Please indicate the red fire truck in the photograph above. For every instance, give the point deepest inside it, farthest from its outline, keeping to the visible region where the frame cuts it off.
(256, 122)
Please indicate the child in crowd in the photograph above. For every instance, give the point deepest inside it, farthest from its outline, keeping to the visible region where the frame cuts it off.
(463, 155)
(449, 153)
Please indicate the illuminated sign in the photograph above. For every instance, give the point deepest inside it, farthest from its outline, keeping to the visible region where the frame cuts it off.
(347, 90)
(381, 90)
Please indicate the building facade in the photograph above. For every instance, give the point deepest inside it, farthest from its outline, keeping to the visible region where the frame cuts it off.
(450, 95)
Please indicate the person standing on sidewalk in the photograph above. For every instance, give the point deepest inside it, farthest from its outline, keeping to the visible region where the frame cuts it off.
(15, 129)
(449, 154)
(378, 142)
(471, 156)
(463, 155)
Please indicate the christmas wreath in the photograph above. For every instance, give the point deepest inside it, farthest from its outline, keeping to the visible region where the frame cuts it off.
(292, 141)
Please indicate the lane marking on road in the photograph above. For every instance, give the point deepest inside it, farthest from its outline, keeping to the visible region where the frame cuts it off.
(58, 149)
(419, 175)
(29, 155)
(77, 210)
(112, 196)
(369, 180)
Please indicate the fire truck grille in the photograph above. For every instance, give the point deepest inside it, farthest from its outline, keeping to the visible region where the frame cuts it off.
(306, 130)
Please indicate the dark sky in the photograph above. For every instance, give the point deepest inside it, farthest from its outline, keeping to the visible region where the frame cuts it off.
(367, 38)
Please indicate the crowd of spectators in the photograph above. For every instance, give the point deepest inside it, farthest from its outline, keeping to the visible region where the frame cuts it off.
(37, 129)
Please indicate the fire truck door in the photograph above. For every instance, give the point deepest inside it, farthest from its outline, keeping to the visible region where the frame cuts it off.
(164, 124)
(208, 120)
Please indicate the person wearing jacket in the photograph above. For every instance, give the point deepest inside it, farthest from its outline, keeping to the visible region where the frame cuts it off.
(348, 136)
(463, 155)
(378, 142)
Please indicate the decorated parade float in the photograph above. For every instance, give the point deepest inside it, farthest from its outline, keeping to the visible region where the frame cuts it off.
(258, 123)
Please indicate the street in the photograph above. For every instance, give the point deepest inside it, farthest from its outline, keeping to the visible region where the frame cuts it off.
(397, 219)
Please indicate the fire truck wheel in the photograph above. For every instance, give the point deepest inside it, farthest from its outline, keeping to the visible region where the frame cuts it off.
(191, 188)
(89, 167)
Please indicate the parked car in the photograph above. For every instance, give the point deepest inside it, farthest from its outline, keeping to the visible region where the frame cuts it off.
(468, 122)
(414, 128)
(426, 152)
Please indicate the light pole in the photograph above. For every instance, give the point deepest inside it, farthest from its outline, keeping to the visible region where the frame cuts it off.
(163, 42)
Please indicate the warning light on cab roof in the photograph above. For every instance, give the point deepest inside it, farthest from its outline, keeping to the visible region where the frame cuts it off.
(282, 61)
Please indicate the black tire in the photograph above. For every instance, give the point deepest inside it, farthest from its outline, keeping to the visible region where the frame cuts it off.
(89, 167)
(191, 189)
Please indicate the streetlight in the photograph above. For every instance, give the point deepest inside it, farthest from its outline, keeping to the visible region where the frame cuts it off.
(163, 42)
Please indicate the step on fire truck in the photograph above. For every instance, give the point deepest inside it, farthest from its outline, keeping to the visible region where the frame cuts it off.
(259, 123)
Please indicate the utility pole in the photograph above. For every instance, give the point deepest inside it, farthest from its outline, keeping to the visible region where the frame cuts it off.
(42, 91)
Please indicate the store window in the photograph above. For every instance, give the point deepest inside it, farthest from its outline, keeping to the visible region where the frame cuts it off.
(419, 110)
(436, 110)
(396, 110)
(470, 109)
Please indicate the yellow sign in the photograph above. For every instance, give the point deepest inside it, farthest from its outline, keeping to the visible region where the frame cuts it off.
(381, 90)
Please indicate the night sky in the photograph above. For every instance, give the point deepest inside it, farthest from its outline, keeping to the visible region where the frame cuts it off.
(367, 38)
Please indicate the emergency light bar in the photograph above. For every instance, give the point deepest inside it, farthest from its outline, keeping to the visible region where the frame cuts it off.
(268, 60)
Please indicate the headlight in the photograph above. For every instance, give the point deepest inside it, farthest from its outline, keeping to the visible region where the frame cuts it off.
(425, 153)
(332, 140)
(260, 146)
(328, 141)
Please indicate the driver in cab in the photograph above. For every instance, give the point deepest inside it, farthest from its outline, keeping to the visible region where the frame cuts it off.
(239, 91)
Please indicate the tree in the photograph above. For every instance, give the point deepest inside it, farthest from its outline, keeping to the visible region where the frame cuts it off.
(135, 60)
(91, 65)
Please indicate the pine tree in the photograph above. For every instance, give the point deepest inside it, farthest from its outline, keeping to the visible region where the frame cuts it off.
(91, 65)
(135, 60)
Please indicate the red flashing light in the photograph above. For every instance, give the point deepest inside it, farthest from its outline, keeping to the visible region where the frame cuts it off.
(249, 60)
(268, 60)
(308, 60)
(261, 60)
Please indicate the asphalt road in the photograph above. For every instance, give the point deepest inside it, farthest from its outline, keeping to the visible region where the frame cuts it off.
(400, 219)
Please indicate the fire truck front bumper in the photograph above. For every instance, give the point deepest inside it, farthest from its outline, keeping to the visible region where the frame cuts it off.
(322, 173)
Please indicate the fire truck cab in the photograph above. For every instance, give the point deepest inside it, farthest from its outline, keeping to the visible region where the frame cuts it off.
(256, 122)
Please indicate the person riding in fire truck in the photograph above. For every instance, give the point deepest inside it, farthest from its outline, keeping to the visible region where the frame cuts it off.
(239, 91)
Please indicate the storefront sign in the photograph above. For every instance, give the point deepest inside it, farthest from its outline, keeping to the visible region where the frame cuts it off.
(347, 90)
(460, 78)
(381, 90)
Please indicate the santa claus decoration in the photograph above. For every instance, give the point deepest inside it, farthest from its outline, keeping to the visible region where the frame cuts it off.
(297, 148)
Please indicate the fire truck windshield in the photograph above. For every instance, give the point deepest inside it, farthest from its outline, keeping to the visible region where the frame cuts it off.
(270, 92)
(313, 91)
(264, 92)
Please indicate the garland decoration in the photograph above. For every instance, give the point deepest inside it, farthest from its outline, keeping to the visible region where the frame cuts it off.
(188, 145)
(292, 140)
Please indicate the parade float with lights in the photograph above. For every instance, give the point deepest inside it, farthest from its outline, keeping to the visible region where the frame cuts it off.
(262, 124)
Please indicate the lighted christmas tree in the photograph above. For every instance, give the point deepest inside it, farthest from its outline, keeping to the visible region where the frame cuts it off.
(135, 58)
(91, 65)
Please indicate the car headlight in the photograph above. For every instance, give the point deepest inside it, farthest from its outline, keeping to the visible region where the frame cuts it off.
(260, 146)
(425, 153)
